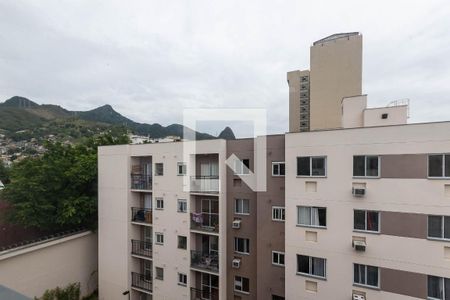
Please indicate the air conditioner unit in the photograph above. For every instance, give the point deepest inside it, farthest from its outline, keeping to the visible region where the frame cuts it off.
(359, 245)
(358, 297)
(236, 224)
(358, 192)
(236, 263)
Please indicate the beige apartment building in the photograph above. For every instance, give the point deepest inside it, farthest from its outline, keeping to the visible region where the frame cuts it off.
(356, 205)
(315, 95)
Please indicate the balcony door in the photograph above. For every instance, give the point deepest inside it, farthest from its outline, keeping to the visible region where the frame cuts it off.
(210, 286)
(209, 169)
(148, 235)
(210, 212)
(147, 169)
(148, 201)
(210, 244)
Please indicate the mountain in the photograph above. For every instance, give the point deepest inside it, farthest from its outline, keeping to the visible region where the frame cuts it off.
(22, 114)
(227, 134)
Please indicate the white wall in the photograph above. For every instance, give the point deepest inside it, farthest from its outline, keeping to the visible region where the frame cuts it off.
(34, 269)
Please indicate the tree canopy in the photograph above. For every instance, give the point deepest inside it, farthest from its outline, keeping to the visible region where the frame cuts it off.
(59, 188)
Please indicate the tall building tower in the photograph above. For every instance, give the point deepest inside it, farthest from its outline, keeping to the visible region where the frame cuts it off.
(315, 96)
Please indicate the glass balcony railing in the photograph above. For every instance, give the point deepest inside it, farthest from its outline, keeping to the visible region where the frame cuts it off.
(205, 184)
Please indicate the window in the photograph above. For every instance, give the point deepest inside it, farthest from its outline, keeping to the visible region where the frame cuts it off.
(159, 203)
(182, 279)
(311, 166)
(241, 284)
(242, 167)
(439, 227)
(439, 165)
(366, 220)
(438, 288)
(365, 275)
(159, 273)
(182, 205)
(181, 168)
(311, 216)
(278, 169)
(182, 242)
(159, 238)
(278, 258)
(312, 266)
(159, 169)
(366, 166)
(278, 213)
(241, 206)
(242, 245)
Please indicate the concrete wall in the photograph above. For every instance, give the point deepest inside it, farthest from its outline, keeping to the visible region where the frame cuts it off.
(33, 269)
(403, 196)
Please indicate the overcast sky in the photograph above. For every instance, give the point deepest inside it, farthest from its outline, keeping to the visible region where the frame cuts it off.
(150, 59)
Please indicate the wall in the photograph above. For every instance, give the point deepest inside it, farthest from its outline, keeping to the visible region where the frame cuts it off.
(395, 115)
(33, 269)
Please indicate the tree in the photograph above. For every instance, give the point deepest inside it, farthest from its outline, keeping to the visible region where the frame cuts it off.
(58, 189)
(4, 173)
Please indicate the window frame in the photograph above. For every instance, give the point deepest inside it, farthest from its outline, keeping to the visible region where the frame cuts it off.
(311, 217)
(310, 263)
(443, 155)
(279, 163)
(184, 201)
(310, 167)
(239, 167)
(246, 245)
(279, 254)
(365, 277)
(365, 221)
(180, 237)
(180, 277)
(156, 273)
(241, 284)
(442, 238)
(444, 280)
(161, 241)
(236, 212)
(282, 213)
(184, 168)
(365, 166)
(159, 200)
(156, 169)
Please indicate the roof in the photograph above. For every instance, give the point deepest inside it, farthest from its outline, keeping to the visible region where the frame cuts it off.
(335, 37)
(6, 293)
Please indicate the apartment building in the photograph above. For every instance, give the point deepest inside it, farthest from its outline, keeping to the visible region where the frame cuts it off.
(315, 95)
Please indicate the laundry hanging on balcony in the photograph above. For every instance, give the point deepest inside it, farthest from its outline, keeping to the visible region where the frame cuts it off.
(197, 218)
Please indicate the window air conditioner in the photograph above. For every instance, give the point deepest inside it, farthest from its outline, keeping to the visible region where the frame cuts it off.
(359, 245)
(236, 263)
(358, 192)
(358, 297)
(236, 224)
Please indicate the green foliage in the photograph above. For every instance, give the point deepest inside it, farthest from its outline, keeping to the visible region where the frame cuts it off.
(4, 173)
(59, 188)
(70, 292)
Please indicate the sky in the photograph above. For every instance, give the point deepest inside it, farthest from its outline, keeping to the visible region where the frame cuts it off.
(151, 59)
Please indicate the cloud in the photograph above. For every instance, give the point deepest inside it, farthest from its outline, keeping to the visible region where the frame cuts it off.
(150, 59)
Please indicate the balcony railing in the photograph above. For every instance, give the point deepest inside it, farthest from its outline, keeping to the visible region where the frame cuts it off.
(205, 260)
(141, 215)
(141, 182)
(205, 222)
(141, 248)
(197, 294)
(142, 281)
(205, 184)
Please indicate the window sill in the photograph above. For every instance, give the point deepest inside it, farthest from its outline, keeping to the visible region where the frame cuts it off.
(366, 177)
(278, 265)
(438, 178)
(275, 220)
(376, 288)
(181, 211)
(367, 231)
(278, 175)
(242, 292)
(242, 214)
(159, 244)
(311, 226)
(305, 176)
(311, 276)
(242, 253)
(435, 239)
(182, 284)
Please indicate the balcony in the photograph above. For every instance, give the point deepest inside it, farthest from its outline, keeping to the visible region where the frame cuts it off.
(141, 281)
(205, 222)
(141, 215)
(141, 182)
(205, 184)
(205, 261)
(197, 294)
(141, 248)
